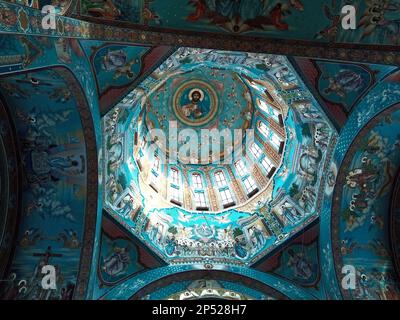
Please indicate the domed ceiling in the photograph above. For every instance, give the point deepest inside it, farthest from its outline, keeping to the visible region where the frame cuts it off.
(108, 165)
(206, 89)
(223, 102)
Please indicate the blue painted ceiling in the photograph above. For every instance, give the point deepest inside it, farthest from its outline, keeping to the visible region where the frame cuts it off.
(286, 201)
(89, 198)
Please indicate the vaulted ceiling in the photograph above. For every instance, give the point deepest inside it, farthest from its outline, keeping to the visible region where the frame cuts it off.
(88, 184)
(240, 92)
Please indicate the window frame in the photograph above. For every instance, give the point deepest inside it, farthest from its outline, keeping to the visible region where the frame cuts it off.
(249, 184)
(263, 128)
(220, 179)
(175, 178)
(241, 168)
(202, 201)
(226, 197)
(256, 153)
(175, 194)
(275, 141)
(268, 162)
(197, 181)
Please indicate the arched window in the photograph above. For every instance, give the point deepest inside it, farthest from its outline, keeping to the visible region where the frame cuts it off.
(276, 142)
(175, 195)
(175, 189)
(263, 105)
(200, 200)
(255, 85)
(268, 109)
(247, 180)
(141, 153)
(267, 164)
(197, 181)
(175, 176)
(264, 129)
(256, 150)
(270, 135)
(261, 158)
(223, 189)
(240, 168)
(226, 198)
(199, 195)
(250, 185)
(220, 179)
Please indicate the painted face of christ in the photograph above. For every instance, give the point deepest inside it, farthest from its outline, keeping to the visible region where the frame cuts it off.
(196, 96)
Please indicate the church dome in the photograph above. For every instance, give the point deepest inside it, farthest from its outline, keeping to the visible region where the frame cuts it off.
(197, 129)
(181, 150)
(203, 149)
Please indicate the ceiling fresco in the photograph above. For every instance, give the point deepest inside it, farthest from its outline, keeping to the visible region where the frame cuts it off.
(378, 22)
(120, 257)
(277, 288)
(54, 187)
(225, 102)
(368, 177)
(367, 154)
(15, 21)
(45, 106)
(118, 67)
(340, 86)
(10, 181)
(298, 261)
(208, 287)
(62, 7)
(83, 182)
(182, 236)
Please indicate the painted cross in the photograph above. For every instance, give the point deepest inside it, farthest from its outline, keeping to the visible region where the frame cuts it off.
(47, 255)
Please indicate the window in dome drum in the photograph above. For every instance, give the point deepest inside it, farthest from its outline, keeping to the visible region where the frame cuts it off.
(280, 120)
(281, 147)
(271, 173)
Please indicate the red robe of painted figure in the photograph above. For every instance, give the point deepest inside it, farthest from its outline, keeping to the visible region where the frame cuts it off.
(200, 10)
(276, 15)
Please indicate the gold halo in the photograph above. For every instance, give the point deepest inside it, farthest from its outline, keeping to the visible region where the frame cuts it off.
(198, 90)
